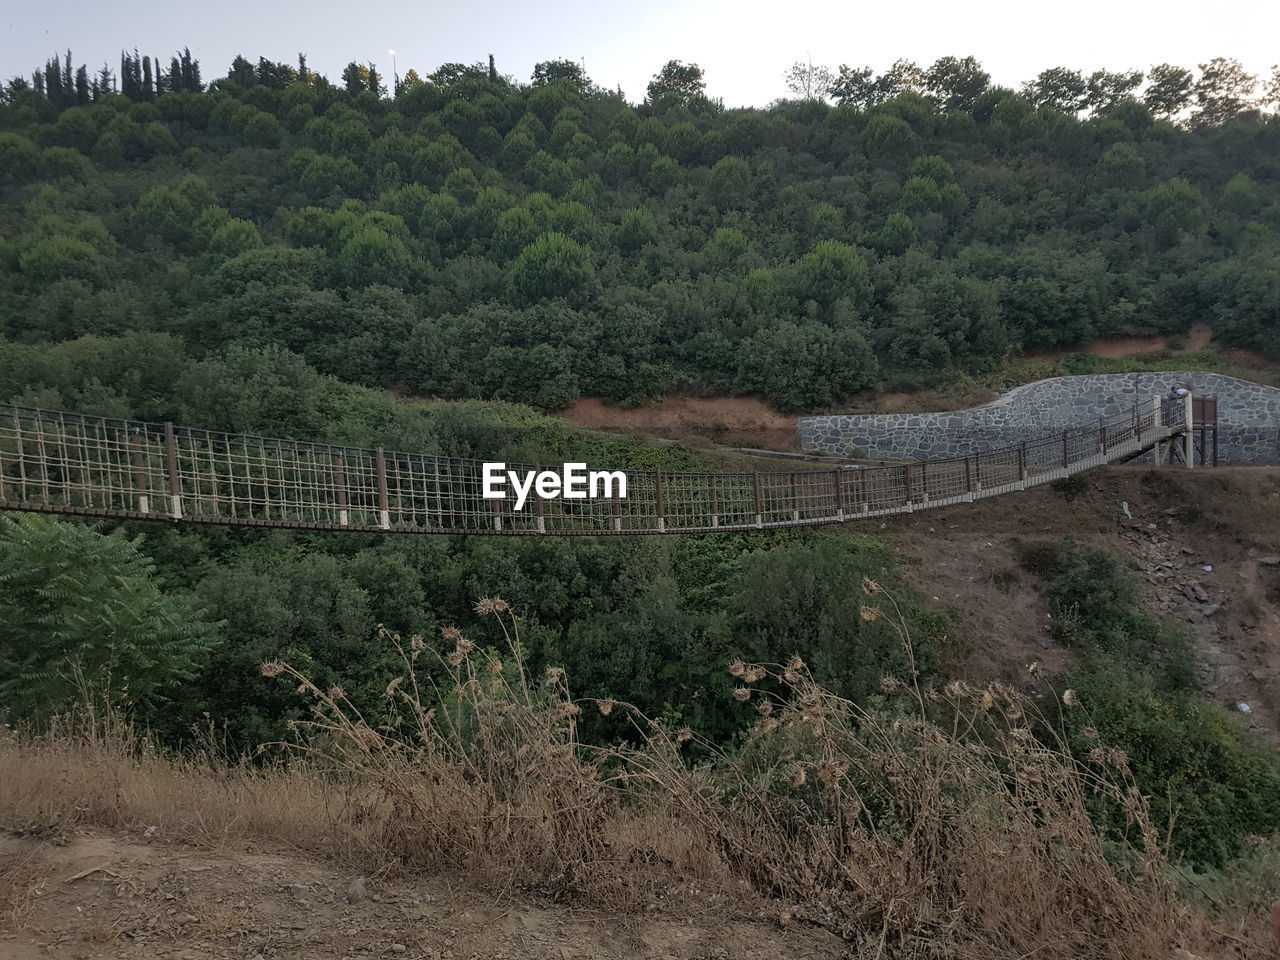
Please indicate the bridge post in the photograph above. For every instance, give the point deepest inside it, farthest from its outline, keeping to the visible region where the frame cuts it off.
(795, 497)
(1065, 462)
(662, 513)
(1189, 432)
(340, 482)
(715, 504)
(540, 505)
(1102, 438)
(755, 484)
(839, 493)
(384, 501)
(175, 481)
(1022, 463)
(140, 475)
(1157, 421)
(617, 514)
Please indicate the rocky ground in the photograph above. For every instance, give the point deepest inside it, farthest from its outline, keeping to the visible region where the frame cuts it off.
(1204, 544)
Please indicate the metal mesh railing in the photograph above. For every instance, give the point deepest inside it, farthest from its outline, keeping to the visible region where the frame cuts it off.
(73, 463)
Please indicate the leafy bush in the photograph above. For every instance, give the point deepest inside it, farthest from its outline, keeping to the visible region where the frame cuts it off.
(83, 613)
(1210, 785)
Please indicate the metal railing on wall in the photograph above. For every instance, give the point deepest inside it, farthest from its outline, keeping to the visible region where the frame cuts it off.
(71, 463)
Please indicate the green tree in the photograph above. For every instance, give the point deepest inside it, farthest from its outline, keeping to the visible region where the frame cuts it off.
(856, 87)
(1106, 89)
(832, 271)
(1058, 88)
(561, 71)
(551, 266)
(676, 84)
(60, 258)
(1168, 90)
(805, 366)
(18, 157)
(1222, 92)
(956, 83)
(1173, 208)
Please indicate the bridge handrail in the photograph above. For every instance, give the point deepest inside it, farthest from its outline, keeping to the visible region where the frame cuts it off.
(63, 462)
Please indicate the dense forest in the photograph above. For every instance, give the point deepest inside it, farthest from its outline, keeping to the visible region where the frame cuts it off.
(271, 251)
(467, 235)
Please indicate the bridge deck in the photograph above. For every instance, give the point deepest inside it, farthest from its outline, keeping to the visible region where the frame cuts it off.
(69, 463)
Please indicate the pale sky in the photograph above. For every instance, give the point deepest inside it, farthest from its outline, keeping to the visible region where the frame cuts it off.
(744, 47)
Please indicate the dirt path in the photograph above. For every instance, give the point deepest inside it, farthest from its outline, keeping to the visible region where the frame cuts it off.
(135, 900)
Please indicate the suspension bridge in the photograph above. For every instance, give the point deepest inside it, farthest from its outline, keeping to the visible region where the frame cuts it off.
(70, 463)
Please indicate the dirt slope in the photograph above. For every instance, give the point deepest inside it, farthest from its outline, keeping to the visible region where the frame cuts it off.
(1205, 545)
(732, 421)
(153, 899)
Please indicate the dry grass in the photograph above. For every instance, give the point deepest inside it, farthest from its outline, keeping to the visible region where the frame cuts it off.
(22, 879)
(942, 829)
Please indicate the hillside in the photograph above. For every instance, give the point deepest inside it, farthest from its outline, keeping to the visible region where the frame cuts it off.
(1202, 546)
(475, 236)
(809, 742)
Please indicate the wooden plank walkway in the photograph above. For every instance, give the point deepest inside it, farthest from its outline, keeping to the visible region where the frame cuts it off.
(70, 463)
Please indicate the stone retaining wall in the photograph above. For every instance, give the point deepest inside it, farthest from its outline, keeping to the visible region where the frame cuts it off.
(1248, 418)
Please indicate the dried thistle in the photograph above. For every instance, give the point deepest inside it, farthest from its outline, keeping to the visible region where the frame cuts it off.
(392, 686)
(451, 633)
(605, 707)
(870, 614)
(798, 776)
(272, 668)
(741, 694)
(1069, 698)
(486, 606)
(831, 772)
(566, 710)
(890, 684)
(870, 587)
